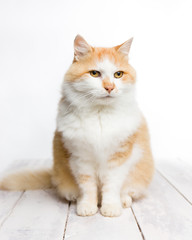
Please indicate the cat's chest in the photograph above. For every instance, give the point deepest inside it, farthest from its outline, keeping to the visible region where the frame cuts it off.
(98, 133)
(100, 129)
(91, 129)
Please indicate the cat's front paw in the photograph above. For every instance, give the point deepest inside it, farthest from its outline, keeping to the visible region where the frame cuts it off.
(111, 210)
(126, 201)
(86, 209)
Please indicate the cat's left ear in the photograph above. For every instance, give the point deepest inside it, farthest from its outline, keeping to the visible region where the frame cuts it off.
(125, 47)
(81, 48)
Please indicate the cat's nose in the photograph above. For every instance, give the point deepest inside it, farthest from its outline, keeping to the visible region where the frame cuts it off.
(109, 88)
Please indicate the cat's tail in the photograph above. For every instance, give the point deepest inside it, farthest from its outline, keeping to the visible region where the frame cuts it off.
(27, 180)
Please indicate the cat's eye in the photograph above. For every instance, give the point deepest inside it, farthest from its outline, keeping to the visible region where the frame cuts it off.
(118, 74)
(95, 73)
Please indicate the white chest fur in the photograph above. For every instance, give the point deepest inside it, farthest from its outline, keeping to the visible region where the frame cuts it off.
(97, 133)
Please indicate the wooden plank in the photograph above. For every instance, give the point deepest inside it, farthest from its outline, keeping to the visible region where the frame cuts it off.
(164, 213)
(179, 174)
(8, 201)
(98, 227)
(38, 215)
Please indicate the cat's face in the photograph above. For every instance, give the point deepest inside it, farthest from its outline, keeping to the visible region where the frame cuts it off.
(99, 75)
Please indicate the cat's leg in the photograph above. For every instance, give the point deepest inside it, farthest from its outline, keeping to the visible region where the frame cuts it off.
(62, 177)
(112, 182)
(118, 168)
(66, 186)
(64, 181)
(139, 178)
(141, 172)
(84, 173)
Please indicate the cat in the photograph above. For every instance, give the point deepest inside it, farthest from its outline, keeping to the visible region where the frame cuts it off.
(101, 146)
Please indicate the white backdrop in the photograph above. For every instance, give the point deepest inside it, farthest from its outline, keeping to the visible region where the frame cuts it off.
(36, 48)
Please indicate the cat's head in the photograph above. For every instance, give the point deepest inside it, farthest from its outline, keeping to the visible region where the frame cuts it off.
(99, 75)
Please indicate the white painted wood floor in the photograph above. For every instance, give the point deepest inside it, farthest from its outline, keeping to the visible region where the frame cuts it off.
(165, 214)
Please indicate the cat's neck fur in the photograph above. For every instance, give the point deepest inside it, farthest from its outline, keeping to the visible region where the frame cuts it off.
(123, 113)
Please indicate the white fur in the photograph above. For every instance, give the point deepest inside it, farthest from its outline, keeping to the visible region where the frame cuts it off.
(93, 128)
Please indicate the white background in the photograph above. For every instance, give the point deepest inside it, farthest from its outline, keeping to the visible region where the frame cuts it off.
(36, 48)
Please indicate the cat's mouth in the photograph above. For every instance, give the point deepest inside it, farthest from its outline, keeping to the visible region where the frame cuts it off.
(107, 96)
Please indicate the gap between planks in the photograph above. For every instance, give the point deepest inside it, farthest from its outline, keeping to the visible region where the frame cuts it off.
(68, 212)
(12, 209)
(162, 175)
(138, 225)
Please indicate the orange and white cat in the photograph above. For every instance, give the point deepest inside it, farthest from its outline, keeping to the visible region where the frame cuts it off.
(101, 145)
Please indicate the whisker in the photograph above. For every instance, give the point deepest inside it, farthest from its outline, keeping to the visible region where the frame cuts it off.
(86, 96)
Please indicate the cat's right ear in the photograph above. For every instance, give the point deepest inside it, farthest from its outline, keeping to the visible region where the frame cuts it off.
(81, 48)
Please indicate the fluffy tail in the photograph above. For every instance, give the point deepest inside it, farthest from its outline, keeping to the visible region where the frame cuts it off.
(27, 180)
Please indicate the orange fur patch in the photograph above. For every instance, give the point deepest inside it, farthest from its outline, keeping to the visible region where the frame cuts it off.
(62, 177)
(89, 62)
(120, 157)
(84, 178)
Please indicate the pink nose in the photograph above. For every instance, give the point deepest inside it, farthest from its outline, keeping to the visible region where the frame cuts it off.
(109, 88)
